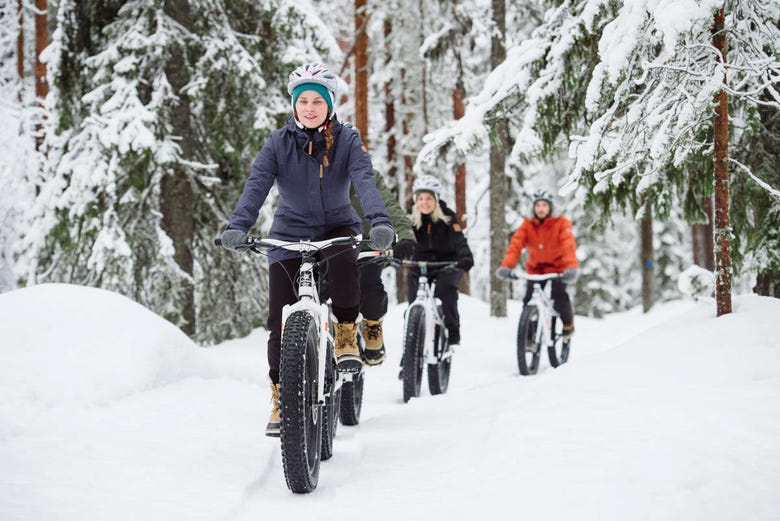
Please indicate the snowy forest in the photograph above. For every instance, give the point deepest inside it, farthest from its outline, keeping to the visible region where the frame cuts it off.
(129, 128)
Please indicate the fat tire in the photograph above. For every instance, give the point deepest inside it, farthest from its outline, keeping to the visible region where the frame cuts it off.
(412, 360)
(330, 413)
(439, 373)
(558, 352)
(301, 425)
(352, 399)
(528, 363)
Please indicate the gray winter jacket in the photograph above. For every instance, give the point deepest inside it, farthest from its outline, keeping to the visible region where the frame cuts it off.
(313, 198)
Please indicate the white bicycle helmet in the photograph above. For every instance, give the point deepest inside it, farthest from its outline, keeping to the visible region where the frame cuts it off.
(313, 73)
(427, 183)
(543, 195)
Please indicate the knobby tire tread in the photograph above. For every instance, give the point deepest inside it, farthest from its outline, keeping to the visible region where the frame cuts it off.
(299, 349)
(352, 400)
(558, 353)
(439, 373)
(413, 353)
(526, 328)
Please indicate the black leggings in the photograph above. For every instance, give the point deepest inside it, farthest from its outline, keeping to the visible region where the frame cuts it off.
(561, 302)
(373, 297)
(344, 290)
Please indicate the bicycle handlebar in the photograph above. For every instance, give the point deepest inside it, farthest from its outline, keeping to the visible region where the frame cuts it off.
(406, 263)
(533, 277)
(300, 246)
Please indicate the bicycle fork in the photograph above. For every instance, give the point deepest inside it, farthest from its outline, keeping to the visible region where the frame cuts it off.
(317, 311)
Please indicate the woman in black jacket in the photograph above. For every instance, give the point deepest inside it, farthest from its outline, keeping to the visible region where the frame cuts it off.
(439, 238)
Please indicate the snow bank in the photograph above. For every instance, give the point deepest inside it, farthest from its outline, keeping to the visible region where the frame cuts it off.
(64, 343)
(108, 412)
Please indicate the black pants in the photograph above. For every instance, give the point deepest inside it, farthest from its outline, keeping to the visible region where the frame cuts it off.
(447, 290)
(373, 297)
(561, 302)
(344, 290)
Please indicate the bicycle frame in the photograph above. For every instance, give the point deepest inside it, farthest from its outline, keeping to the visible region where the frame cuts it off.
(430, 304)
(309, 299)
(541, 299)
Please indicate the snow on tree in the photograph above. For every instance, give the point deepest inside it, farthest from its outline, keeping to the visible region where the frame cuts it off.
(20, 163)
(159, 119)
(629, 87)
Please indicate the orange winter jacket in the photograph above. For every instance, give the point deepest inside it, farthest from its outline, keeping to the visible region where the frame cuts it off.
(551, 246)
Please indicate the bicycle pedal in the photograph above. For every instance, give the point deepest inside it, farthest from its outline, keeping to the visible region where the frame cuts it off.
(350, 365)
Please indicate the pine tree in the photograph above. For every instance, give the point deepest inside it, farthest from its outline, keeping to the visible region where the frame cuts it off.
(644, 127)
(159, 119)
(20, 163)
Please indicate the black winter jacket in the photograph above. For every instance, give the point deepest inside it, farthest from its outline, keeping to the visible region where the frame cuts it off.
(441, 241)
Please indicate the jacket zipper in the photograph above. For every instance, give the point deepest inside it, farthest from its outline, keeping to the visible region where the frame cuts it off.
(321, 172)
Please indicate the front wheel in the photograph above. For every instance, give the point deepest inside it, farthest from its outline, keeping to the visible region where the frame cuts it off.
(301, 426)
(439, 373)
(413, 359)
(558, 351)
(528, 348)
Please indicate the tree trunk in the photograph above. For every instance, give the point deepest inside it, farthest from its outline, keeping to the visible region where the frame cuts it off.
(406, 196)
(722, 217)
(361, 69)
(498, 178)
(41, 41)
(768, 284)
(20, 48)
(648, 297)
(458, 109)
(390, 113)
(176, 194)
(702, 234)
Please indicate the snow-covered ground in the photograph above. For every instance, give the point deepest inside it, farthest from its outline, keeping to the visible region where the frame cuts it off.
(107, 412)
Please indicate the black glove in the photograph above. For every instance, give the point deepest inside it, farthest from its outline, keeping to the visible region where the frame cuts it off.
(570, 276)
(232, 239)
(404, 249)
(504, 273)
(465, 263)
(381, 236)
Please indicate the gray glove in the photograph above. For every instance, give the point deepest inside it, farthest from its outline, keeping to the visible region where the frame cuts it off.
(570, 276)
(232, 239)
(504, 273)
(381, 237)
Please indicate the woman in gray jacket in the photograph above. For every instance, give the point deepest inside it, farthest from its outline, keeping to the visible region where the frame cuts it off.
(313, 160)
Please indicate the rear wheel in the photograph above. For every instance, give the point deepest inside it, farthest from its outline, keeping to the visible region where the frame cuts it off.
(439, 373)
(528, 349)
(330, 413)
(559, 350)
(414, 344)
(301, 426)
(352, 399)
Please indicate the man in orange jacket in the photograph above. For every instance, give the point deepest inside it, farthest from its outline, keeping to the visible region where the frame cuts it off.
(551, 249)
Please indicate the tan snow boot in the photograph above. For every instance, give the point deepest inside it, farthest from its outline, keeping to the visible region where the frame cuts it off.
(273, 428)
(375, 345)
(568, 331)
(347, 353)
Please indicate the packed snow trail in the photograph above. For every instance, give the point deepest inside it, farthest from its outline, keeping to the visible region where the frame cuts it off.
(109, 412)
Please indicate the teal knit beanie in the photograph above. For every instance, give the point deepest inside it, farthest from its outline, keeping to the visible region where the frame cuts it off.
(316, 87)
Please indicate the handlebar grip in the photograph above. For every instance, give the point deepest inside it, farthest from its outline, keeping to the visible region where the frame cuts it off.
(218, 242)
